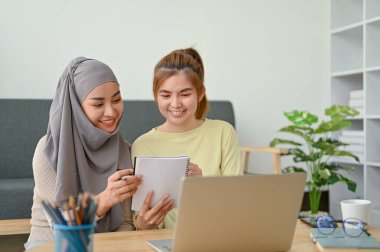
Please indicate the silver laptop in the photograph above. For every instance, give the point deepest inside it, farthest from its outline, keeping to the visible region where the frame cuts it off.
(236, 213)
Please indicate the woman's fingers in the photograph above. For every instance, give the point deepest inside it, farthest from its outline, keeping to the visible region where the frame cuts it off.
(151, 217)
(120, 174)
(121, 179)
(162, 217)
(160, 214)
(194, 170)
(120, 186)
(146, 204)
(124, 185)
(161, 208)
(161, 203)
(132, 179)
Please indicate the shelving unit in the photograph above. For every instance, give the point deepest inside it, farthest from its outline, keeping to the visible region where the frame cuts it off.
(355, 65)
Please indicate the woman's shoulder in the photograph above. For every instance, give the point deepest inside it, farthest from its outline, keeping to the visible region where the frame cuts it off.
(145, 137)
(39, 160)
(218, 123)
(41, 144)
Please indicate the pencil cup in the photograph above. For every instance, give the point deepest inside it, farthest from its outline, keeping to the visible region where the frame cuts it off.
(73, 238)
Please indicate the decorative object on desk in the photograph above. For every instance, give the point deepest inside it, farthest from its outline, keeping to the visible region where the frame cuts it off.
(338, 241)
(352, 234)
(75, 232)
(352, 227)
(356, 208)
(320, 148)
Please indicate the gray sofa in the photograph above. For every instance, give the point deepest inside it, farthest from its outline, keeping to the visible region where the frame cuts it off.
(24, 122)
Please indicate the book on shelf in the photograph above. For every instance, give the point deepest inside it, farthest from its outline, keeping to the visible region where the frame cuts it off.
(360, 110)
(161, 175)
(351, 140)
(357, 94)
(353, 133)
(356, 103)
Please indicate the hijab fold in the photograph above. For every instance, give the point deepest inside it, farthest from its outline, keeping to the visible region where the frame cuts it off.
(82, 155)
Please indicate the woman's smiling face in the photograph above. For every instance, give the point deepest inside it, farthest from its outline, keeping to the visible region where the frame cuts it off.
(103, 106)
(177, 101)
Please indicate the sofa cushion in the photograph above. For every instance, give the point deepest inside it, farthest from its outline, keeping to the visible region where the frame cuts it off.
(25, 123)
(16, 197)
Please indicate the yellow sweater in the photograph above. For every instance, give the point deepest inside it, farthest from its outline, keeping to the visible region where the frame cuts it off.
(213, 146)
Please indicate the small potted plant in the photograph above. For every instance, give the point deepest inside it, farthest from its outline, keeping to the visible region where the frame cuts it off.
(317, 149)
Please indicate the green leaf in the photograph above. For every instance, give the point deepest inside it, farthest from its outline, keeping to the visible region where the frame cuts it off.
(324, 173)
(310, 184)
(299, 155)
(340, 112)
(331, 126)
(292, 169)
(296, 131)
(351, 185)
(301, 117)
(277, 141)
(332, 167)
(336, 177)
(328, 145)
(306, 129)
(316, 156)
(344, 154)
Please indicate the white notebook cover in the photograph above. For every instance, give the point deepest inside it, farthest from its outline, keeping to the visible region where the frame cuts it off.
(160, 175)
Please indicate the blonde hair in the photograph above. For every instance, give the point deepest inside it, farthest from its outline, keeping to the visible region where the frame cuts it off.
(186, 61)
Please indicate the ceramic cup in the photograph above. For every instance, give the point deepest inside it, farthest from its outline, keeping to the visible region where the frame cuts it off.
(356, 208)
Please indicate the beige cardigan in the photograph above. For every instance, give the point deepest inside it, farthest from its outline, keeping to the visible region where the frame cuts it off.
(44, 178)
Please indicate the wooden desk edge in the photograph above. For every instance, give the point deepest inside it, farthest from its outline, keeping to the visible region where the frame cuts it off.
(15, 226)
(136, 240)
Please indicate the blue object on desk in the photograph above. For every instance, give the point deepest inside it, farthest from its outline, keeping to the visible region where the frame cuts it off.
(73, 238)
(339, 240)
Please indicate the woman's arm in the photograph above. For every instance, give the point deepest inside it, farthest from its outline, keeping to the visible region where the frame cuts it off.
(45, 180)
(231, 157)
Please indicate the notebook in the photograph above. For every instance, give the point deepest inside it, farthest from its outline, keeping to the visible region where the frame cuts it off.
(236, 213)
(160, 175)
(338, 241)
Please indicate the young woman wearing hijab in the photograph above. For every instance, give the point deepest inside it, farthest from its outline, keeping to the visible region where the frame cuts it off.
(83, 151)
(212, 145)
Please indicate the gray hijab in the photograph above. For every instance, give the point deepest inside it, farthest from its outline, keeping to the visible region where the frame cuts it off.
(82, 155)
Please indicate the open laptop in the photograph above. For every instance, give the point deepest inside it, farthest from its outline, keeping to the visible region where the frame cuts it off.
(236, 213)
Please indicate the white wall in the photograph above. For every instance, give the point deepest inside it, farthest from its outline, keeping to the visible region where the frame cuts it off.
(266, 56)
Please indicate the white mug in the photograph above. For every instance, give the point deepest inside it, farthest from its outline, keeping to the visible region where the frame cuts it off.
(356, 208)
